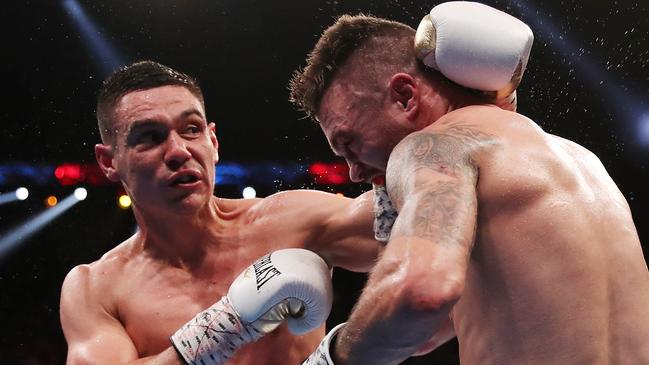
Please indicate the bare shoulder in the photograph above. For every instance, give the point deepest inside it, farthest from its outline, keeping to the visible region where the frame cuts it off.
(484, 132)
(96, 278)
(454, 148)
(300, 194)
(575, 149)
(89, 314)
(453, 141)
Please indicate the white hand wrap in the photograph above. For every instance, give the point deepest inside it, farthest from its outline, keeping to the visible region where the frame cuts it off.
(321, 356)
(384, 214)
(213, 335)
(476, 46)
(292, 285)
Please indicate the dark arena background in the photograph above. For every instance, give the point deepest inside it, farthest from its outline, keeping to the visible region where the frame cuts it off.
(587, 80)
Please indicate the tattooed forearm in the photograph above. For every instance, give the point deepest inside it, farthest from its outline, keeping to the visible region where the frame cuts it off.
(442, 212)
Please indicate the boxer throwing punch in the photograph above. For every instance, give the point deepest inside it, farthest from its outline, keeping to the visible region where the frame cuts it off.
(176, 277)
(514, 240)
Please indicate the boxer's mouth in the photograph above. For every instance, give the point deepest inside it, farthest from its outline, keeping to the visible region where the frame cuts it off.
(182, 178)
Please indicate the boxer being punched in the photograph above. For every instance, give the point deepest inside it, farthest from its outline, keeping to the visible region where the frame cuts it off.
(514, 240)
(175, 276)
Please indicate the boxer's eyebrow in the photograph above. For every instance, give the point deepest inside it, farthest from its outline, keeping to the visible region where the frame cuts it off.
(141, 124)
(190, 112)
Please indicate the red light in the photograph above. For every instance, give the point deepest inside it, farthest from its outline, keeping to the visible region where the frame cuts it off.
(335, 173)
(69, 174)
(318, 169)
(94, 175)
(73, 174)
(59, 172)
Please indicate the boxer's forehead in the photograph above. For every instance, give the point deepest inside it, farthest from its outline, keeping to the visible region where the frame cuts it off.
(331, 119)
(343, 108)
(335, 104)
(161, 103)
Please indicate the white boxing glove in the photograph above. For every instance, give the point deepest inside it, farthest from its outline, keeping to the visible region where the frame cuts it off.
(476, 46)
(292, 285)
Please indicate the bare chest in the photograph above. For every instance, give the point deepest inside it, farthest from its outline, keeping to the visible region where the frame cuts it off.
(155, 301)
(154, 306)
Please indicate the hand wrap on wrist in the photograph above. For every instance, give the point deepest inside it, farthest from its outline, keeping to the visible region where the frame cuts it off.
(213, 336)
(322, 355)
(384, 214)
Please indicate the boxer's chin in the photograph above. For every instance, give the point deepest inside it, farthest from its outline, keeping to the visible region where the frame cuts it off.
(190, 201)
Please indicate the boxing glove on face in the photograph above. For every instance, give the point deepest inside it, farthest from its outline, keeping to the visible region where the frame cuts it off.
(292, 285)
(476, 46)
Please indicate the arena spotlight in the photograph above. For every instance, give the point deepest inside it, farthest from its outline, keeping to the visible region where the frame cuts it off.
(108, 60)
(15, 237)
(19, 194)
(80, 193)
(643, 129)
(124, 201)
(249, 192)
(22, 193)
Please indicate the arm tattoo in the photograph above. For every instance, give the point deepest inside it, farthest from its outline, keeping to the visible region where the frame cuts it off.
(442, 212)
(443, 205)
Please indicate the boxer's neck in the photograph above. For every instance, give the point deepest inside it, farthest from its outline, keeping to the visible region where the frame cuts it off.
(452, 98)
(183, 240)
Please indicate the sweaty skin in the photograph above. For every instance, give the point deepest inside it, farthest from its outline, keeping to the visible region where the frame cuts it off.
(556, 275)
(519, 236)
(190, 245)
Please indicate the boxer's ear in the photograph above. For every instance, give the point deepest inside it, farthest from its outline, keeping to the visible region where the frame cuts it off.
(404, 92)
(104, 154)
(215, 141)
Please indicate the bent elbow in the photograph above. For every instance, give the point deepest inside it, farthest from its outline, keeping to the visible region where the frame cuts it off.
(426, 295)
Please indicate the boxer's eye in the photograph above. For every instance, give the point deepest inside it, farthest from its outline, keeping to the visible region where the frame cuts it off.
(348, 150)
(150, 138)
(192, 130)
(342, 142)
(146, 138)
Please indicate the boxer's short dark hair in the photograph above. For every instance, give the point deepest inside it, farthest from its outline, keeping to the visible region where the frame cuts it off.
(141, 75)
(393, 46)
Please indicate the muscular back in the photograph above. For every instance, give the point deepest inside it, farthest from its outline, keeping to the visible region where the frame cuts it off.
(556, 275)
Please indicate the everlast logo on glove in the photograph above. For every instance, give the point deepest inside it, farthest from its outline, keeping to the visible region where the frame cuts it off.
(264, 271)
(301, 292)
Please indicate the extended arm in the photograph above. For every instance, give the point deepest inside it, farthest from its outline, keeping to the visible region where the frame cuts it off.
(337, 228)
(432, 180)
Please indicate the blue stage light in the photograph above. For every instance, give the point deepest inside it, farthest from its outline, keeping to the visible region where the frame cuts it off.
(625, 103)
(11, 240)
(108, 59)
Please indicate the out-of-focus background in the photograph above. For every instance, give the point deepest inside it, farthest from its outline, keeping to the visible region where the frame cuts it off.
(587, 80)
